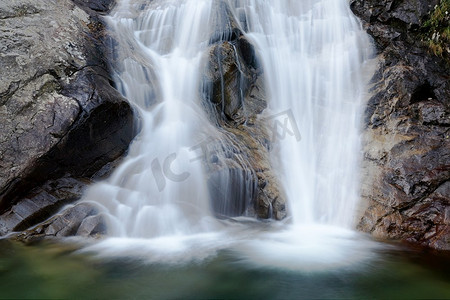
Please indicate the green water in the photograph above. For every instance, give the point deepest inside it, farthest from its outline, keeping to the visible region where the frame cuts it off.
(53, 270)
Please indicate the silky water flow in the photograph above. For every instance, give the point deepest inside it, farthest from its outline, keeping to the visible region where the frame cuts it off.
(314, 54)
(156, 202)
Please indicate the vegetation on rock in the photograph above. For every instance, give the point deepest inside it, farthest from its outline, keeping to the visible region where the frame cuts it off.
(436, 30)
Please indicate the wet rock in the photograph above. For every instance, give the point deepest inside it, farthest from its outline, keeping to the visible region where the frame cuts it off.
(82, 220)
(433, 113)
(227, 81)
(92, 226)
(41, 203)
(241, 179)
(69, 221)
(390, 21)
(224, 27)
(407, 148)
(61, 120)
(98, 6)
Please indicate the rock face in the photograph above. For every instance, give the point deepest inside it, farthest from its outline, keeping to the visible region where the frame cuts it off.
(407, 150)
(241, 180)
(61, 120)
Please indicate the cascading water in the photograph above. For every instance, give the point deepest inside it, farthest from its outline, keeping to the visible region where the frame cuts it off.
(159, 189)
(313, 52)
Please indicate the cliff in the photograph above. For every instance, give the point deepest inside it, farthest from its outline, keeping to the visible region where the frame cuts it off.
(407, 137)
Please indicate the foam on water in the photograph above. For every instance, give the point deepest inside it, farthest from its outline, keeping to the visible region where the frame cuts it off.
(313, 248)
(307, 248)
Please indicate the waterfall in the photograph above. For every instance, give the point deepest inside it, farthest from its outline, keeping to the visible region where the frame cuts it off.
(157, 200)
(313, 52)
(159, 189)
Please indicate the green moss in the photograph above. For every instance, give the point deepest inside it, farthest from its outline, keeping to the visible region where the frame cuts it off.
(436, 30)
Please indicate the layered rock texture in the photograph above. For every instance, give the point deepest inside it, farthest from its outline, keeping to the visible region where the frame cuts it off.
(407, 149)
(241, 179)
(61, 121)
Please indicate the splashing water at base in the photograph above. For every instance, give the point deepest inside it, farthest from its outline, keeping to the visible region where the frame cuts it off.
(313, 53)
(314, 248)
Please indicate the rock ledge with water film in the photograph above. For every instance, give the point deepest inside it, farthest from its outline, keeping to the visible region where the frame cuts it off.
(241, 178)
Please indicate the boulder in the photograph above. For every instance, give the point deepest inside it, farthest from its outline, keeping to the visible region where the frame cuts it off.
(61, 119)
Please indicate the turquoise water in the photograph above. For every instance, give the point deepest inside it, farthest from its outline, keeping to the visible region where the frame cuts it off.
(56, 270)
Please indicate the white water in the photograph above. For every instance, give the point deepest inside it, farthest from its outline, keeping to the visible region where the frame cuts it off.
(313, 53)
(159, 190)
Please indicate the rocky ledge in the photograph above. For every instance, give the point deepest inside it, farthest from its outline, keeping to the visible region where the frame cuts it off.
(61, 120)
(407, 128)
